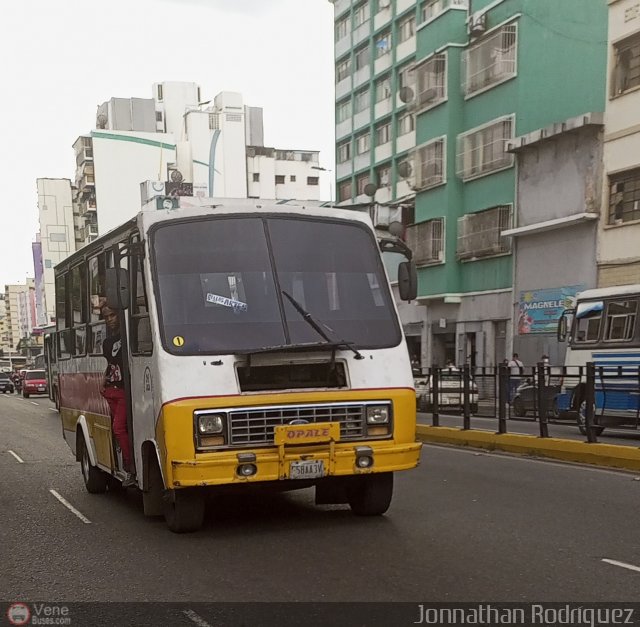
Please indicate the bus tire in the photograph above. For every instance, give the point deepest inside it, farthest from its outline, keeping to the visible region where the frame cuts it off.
(95, 480)
(153, 489)
(183, 510)
(370, 495)
(580, 405)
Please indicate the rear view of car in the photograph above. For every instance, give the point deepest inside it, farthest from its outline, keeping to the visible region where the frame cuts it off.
(6, 385)
(35, 382)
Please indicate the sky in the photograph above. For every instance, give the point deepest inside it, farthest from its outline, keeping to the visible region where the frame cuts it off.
(62, 58)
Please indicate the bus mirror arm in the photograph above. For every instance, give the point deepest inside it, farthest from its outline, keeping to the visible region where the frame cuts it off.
(395, 246)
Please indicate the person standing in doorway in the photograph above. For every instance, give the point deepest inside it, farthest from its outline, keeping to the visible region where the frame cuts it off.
(113, 388)
(515, 372)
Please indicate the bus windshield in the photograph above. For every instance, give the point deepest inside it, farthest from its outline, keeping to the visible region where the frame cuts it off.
(221, 281)
(587, 321)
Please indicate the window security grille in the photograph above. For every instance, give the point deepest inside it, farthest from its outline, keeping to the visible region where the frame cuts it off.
(490, 61)
(483, 151)
(624, 197)
(432, 8)
(626, 72)
(431, 81)
(426, 240)
(429, 165)
(479, 233)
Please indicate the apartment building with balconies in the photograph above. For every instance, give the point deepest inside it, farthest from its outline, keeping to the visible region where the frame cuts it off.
(619, 228)
(481, 74)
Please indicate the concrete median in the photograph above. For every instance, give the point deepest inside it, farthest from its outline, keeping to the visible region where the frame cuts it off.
(606, 455)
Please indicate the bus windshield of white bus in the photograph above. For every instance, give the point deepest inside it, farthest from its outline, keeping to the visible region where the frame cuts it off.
(223, 284)
(587, 321)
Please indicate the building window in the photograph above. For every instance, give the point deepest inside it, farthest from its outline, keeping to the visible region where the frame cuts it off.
(429, 163)
(383, 175)
(345, 190)
(406, 77)
(361, 14)
(343, 69)
(431, 8)
(624, 197)
(362, 101)
(426, 240)
(342, 28)
(361, 182)
(57, 237)
(431, 80)
(47, 263)
(159, 93)
(406, 28)
(344, 152)
(158, 116)
(491, 61)
(479, 234)
(383, 89)
(292, 178)
(256, 177)
(383, 44)
(363, 143)
(343, 111)
(406, 124)
(279, 179)
(383, 134)
(626, 72)
(362, 58)
(313, 180)
(483, 151)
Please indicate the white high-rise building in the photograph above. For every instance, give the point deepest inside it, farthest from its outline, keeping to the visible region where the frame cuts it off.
(212, 148)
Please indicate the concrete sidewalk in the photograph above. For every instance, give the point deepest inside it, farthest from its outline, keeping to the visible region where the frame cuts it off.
(606, 455)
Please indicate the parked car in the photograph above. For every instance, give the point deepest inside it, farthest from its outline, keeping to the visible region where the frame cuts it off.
(6, 384)
(451, 392)
(525, 399)
(35, 382)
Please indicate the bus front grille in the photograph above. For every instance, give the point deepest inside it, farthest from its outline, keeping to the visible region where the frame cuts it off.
(256, 425)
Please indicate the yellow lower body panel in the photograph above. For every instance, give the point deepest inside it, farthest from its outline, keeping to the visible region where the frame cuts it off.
(274, 465)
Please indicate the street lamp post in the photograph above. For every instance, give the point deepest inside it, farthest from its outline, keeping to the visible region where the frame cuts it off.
(321, 169)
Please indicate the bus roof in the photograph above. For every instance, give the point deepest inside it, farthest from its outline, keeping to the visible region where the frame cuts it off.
(606, 292)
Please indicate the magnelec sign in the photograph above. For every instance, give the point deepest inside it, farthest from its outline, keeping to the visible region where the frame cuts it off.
(539, 310)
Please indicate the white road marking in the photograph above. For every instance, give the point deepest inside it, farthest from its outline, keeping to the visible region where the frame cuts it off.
(20, 460)
(53, 409)
(34, 403)
(70, 507)
(622, 565)
(194, 618)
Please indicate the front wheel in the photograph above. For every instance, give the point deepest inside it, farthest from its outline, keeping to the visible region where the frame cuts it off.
(183, 510)
(370, 495)
(518, 407)
(582, 418)
(25, 395)
(95, 480)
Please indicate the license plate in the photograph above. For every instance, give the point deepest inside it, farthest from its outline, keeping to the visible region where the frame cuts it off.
(40, 389)
(309, 469)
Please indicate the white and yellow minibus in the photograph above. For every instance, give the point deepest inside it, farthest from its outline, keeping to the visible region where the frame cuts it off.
(262, 347)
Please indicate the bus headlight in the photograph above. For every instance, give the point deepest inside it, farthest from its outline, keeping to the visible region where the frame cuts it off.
(209, 424)
(378, 415)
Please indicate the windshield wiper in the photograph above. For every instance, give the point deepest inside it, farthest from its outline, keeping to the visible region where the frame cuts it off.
(307, 317)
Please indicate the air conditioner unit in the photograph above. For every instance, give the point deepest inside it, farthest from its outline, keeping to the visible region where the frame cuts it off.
(477, 24)
(150, 190)
(407, 95)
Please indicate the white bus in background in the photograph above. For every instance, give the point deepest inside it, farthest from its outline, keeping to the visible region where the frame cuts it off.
(603, 328)
(262, 347)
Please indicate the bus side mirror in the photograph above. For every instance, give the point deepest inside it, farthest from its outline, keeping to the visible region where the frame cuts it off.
(562, 327)
(407, 280)
(117, 288)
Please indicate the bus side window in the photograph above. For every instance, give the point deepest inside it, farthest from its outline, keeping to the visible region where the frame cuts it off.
(621, 320)
(78, 307)
(97, 328)
(141, 341)
(63, 337)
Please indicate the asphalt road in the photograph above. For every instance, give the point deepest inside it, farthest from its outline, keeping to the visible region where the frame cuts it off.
(464, 526)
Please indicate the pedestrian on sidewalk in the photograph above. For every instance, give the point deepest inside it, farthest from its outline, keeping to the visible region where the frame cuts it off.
(515, 372)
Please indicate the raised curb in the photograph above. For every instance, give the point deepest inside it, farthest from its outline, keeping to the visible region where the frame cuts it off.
(608, 455)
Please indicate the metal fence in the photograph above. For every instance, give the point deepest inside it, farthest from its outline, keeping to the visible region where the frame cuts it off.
(592, 397)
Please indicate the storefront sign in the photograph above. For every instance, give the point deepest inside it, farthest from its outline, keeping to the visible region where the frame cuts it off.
(539, 310)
